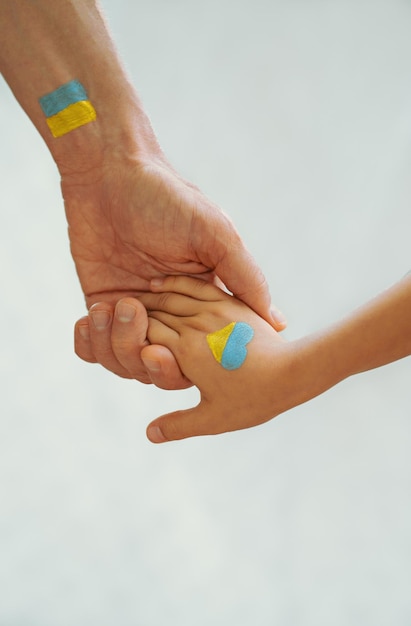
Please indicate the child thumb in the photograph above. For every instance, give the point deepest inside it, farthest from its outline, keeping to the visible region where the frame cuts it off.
(179, 425)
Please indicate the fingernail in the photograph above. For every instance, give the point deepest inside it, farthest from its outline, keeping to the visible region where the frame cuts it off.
(100, 319)
(152, 366)
(125, 312)
(155, 435)
(84, 331)
(157, 282)
(278, 317)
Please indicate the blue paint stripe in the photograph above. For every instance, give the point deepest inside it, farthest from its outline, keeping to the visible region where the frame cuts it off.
(235, 351)
(56, 101)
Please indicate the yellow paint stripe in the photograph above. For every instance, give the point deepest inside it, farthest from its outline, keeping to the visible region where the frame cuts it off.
(217, 341)
(71, 117)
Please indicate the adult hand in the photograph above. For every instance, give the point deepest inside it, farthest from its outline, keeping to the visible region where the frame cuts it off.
(130, 221)
(131, 217)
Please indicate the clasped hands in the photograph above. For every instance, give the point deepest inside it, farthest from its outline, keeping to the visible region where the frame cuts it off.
(131, 225)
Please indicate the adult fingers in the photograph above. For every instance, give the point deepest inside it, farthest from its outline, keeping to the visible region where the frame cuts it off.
(93, 341)
(82, 343)
(118, 341)
(101, 325)
(128, 335)
(243, 277)
(163, 369)
(226, 253)
(132, 350)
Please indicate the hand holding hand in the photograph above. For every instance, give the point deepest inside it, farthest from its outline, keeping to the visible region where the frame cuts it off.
(130, 222)
(182, 313)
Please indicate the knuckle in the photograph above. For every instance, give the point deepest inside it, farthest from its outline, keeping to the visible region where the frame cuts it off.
(164, 300)
(171, 429)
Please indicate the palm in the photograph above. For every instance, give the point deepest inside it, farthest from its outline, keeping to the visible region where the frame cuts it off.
(128, 227)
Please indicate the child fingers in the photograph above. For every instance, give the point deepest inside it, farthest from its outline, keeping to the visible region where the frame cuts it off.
(188, 286)
(159, 332)
(173, 303)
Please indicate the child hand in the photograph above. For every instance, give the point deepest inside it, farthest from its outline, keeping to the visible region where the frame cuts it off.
(183, 314)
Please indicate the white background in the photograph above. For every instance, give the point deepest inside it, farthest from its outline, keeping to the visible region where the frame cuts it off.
(295, 116)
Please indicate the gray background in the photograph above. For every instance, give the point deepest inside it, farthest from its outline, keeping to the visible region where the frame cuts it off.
(295, 116)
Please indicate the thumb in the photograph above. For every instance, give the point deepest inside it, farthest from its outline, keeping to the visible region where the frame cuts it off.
(242, 276)
(181, 424)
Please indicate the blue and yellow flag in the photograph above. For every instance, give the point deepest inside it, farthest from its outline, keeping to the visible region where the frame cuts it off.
(67, 108)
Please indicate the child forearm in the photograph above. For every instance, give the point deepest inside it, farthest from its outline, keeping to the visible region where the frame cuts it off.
(376, 334)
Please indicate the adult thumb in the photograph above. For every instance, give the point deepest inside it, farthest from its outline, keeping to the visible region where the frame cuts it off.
(180, 425)
(241, 274)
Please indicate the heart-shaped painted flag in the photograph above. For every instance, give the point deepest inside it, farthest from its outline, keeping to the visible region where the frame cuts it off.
(228, 345)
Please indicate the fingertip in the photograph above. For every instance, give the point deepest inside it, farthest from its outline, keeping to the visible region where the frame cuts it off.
(125, 311)
(130, 309)
(180, 425)
(82, 343)
(156, 283)
(101, 316)
(82, 328)
(155, 434)
(163, 368)
(279, 319)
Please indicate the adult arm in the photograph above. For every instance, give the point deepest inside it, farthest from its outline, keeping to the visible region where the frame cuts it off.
(131, 217)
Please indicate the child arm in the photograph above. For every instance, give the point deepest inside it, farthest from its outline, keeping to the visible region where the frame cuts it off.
(276, 375)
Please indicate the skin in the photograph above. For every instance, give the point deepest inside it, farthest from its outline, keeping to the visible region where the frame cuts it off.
(277, 375)
(139, 243)
(131, 217)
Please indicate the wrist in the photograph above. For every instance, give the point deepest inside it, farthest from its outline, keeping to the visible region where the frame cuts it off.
(47, 45)
(309, 367)
(373, 335)
(121, 133)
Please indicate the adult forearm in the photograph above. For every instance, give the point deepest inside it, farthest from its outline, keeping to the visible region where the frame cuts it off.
(45, 45)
